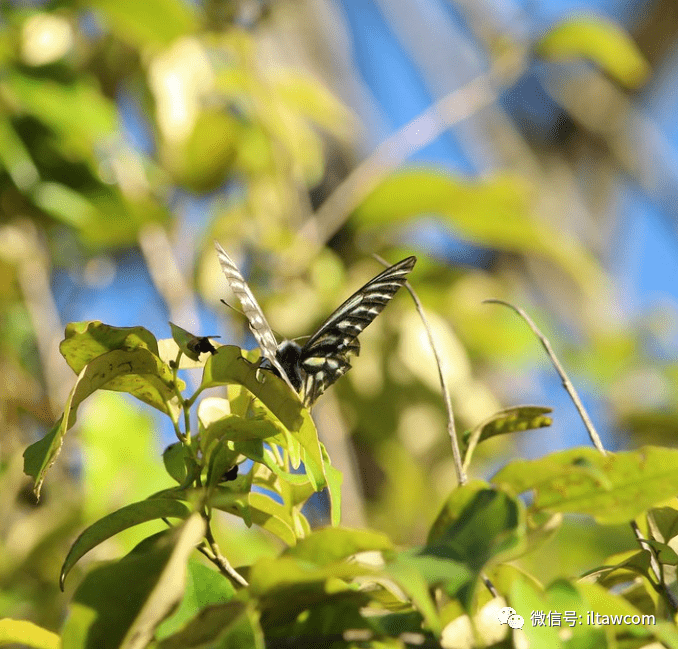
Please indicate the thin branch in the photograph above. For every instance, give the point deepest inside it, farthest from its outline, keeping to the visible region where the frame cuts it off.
(221, 561)
(456, 453)
(448, 111)
(567, 384)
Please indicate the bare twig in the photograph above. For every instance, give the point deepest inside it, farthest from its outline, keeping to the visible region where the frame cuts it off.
(33, 277)
(567, 384)
(390, 154)
(456, 453)
(221, 561)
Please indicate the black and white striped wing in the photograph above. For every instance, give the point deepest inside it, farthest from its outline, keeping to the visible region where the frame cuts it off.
(259, 327)
(325, 357)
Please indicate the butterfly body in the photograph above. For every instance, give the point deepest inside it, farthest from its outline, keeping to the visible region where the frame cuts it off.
(324, 358)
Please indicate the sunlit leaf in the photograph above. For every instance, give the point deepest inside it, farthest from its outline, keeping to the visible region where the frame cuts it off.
(227, 626)
(190, 344)
(220, 461)
(16, 158)
(665, 521)
(128, 516)
(229, 366)
(610, 576)
(15, 632)
(175, 457)
(509, 420)
(334, 481)
(264, 512)
(84, 341)
(332, 544)
(78, 111)
(118, 605)
(152, 22)
(613, 488)
(269, 576)
(477, 524)
(408, 573)
(205, 587)
(602, 41)
(495, 212)
(138, 372)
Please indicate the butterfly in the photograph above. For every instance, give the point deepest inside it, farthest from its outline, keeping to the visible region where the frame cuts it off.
(310, 369)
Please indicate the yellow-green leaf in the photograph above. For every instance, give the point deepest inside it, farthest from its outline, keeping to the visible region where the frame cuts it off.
(601, 41)
(495, 212)
(613, 488)
(27, 634)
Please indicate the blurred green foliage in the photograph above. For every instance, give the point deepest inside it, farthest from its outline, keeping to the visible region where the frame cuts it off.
(220, 112)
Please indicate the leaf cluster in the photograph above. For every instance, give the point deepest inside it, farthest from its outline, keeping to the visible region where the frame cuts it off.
(338, 586)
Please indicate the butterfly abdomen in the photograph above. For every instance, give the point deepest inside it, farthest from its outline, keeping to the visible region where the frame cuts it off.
(288, 355)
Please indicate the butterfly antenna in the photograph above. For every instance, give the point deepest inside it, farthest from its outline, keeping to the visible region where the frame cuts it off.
(239, 312)
(230, 306)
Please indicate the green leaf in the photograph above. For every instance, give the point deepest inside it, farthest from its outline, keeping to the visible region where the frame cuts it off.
(78, 112)
(262, 511)
(39, 456)
(152, 22)
(600, 601)
(176, 458)
(14, 632)
(664, 521)
(221, 460)
(610, 576)
(234, 625)
(665, 553)
(85, 341)
(525, 598)
(333, 544)
(238, 429)
(128, 516)
(119, 605)
(204, 587)
(229, 366)
(307, 436)
(408, 572)
(509, 420)
(496, 212)
(168, 351)
(273, 577)
(16, 158)
(613, 488)
(477, 524)
(139, 372)
(334, 481)
(255, 450)
(601, 41)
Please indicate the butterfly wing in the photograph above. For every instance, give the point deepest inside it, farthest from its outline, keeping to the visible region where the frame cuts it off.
(259, 327)
(325, 357)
